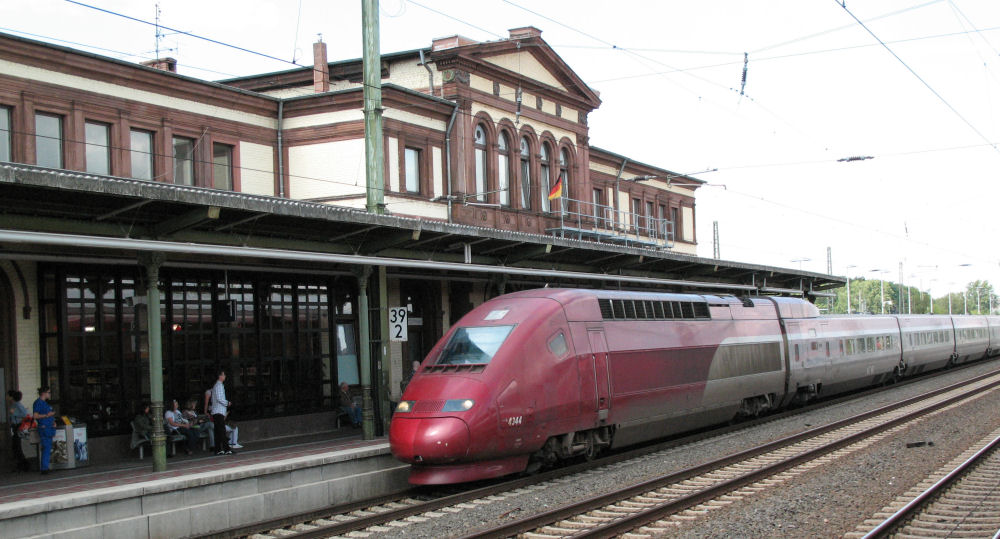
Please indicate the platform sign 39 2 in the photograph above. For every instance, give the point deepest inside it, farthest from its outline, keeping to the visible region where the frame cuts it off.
(397, 324)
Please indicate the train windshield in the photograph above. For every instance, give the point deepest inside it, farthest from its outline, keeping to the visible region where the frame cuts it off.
(473, 345)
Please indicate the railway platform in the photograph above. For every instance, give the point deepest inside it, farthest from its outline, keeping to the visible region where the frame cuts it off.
(201, 494)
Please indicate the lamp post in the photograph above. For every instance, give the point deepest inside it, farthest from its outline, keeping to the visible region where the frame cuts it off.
(951, 284)
(800, 261)
(965, 292)
(930, 296)
(848, 275)
(881, 286)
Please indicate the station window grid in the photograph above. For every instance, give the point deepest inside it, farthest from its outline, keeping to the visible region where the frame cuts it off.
(94, 342)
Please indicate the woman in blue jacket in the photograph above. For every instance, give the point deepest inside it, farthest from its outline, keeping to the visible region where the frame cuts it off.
(46, 425)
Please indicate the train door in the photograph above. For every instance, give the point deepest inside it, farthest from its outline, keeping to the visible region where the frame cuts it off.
(599, 353)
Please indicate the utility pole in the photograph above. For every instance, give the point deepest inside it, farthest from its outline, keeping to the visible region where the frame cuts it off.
(715, 240)
(374, 151)
(899, 291)
(848, 275)
(829, 271)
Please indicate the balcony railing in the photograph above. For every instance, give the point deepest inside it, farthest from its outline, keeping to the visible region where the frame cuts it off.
(596, 222)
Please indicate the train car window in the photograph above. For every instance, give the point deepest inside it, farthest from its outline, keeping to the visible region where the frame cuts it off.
(828, 349)
(473, 345)
(658, 310)
(630, 310)
(701, 310)
(676, 307)
(842, 347)
(557, 345)
(878, 342)
(814, 346)
(797, 352)
(650, 310)
(850, 347)
(870, 344)
(688, 309)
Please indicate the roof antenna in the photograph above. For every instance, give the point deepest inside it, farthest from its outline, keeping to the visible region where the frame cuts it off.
(159, 32)
(743, 84)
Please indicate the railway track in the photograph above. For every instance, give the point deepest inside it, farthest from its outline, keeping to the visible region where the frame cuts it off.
(962, 499)
(657, 506)
(417, 505)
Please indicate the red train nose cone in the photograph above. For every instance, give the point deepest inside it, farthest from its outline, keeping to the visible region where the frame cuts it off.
(429, 440)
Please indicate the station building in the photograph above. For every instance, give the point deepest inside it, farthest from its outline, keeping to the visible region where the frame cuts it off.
(241, 202)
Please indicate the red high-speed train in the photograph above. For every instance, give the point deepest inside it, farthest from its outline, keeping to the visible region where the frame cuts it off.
(534, 377)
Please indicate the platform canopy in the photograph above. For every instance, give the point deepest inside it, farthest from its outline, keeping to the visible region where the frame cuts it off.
(56, 215)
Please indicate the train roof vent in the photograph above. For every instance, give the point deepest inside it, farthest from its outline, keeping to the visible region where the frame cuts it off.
(637, 309)
(607, 312)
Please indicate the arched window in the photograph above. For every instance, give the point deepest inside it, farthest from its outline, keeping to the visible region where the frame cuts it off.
(546, 184)
(525, 173)
(564, 175)
(503, 169)
(480, 144)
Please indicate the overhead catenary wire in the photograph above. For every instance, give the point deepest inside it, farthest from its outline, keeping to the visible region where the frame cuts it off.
(921, 79)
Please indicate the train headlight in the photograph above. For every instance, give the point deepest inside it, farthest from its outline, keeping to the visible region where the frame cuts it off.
(404, 406)
(458, 405)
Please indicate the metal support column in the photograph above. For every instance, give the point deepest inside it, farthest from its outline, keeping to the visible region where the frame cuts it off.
(372, 68)
(152, 263)
(364, 346)
(383, 360)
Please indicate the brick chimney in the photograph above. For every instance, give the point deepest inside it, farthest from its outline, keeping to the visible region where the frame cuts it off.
(450, 42)
(321, 68)
(525, 32)
(163, 64)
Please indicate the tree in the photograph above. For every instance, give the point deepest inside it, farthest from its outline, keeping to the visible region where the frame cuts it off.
(866, 296)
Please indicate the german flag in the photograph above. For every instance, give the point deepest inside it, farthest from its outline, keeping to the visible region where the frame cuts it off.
(556, 191)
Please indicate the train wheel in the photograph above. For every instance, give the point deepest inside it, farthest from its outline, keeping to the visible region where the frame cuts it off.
(593, 449)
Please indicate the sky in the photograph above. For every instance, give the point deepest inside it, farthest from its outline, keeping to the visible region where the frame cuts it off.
(912, 84)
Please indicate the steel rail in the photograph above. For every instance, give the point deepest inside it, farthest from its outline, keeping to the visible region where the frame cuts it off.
(360, 523)
(631, 522)
(917, 504)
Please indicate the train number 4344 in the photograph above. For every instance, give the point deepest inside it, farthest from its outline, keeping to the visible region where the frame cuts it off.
(514, 421)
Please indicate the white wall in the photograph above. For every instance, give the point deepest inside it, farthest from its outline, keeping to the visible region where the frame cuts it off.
(257, 174)
(327, 169)
(527, 65)
(114, 90)
(26, 349)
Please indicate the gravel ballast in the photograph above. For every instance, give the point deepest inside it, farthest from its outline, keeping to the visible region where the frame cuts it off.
(827, 501)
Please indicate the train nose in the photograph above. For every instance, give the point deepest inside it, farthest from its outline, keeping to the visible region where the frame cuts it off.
(429, 440)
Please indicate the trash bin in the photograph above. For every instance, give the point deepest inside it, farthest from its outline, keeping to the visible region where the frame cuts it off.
(69, 447)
